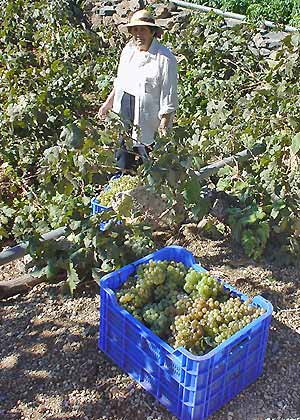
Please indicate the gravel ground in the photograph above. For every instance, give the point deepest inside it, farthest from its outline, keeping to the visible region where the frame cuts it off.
(51, 367)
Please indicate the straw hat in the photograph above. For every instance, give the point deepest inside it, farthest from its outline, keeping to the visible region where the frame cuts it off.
(141, 18)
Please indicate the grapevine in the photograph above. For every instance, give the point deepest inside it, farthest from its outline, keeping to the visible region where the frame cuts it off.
(275, 10)
(55, 72)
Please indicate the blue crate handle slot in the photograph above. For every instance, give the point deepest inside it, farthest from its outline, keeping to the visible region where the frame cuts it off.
(240, 342)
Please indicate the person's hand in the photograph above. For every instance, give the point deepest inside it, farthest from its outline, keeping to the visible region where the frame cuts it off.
(103, 110)
(106, 106)
(162, 131)
(163, 126)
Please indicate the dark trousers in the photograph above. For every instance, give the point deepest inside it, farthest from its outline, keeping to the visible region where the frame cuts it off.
(129, 160)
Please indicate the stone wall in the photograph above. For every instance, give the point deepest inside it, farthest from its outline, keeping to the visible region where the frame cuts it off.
(116, 12)
(170, 17)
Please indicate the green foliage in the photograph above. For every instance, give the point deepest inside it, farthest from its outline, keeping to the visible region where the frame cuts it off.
(231, 99)
(54, 152)
(250, 227)
(277, 11)
(56, 156)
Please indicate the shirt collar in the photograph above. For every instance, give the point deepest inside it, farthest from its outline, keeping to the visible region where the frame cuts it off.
(153, 49)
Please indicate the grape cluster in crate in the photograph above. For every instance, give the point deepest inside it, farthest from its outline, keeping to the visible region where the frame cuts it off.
(117, 185)
(185, 307)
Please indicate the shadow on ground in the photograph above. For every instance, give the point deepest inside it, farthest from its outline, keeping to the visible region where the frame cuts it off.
(51, 367)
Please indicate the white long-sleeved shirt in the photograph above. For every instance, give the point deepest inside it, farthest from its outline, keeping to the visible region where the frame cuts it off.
(152, 77)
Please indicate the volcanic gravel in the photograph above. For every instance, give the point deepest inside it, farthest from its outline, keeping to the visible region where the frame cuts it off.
(51, 368)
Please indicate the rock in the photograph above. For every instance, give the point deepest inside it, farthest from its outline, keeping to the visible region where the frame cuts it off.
(172, 7)
(88, 6)
(109, 20)
(118, 20)
(149, 207)
(96, 21)
(273, 44)
(165, 23)
(162, 12)
(175, 27)
(96, 8)
(276, 36)
(259, 41)
(122, 9)
(126, 6)
(274, 39)
(264, 52)
(254, 50)
(230, 23)
(90, 331)
(263, 29)
(181, 18)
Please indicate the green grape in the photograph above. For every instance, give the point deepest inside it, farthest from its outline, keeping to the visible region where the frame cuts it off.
(192, 278)
(209, 287)
(115, 186)
(185, 307)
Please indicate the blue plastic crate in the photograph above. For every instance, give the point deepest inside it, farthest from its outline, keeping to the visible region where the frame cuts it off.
(190, 387)
(97, 207)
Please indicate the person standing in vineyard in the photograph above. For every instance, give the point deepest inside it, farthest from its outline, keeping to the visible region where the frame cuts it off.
(145, 89)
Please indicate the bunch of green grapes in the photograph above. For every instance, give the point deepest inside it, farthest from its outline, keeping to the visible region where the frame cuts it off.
(121, 184)
(134, 295)
(183, 303)
(175, 274)
(229, 318)
(188, 309)
(153, 273)
(153, 292)
(210, 321)
(159, 273)
(202, 284)
(191, 280)
(187, 329)
(158, 316)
